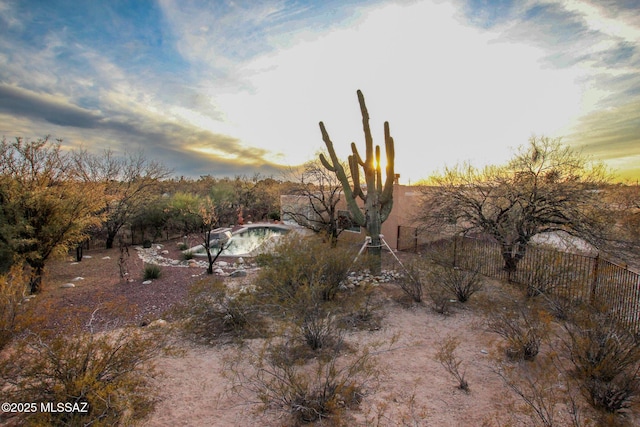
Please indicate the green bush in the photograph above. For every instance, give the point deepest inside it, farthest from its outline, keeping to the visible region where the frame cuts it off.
(151, 271)
(107, 374)
(307, 261)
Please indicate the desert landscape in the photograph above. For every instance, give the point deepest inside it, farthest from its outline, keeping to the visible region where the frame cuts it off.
(412, 387)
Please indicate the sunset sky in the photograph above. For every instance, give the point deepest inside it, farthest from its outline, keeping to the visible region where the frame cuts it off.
(229, 88)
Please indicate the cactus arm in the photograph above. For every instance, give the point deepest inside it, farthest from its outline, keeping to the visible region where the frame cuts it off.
(356, 155)
(386, 198)
(326, 164)
(355, 178)
(336, 167)
(387, 192)
(365, 127)
(378, 171)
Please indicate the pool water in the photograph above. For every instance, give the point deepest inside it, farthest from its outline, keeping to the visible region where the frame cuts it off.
(246, 241)
(250, 239)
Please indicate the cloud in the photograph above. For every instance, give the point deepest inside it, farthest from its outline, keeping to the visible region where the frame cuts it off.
(45, 107)
(217, 84)
(174, 143)
(610, 134)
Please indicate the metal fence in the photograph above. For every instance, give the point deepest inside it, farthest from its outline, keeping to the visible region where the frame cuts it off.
(594, 280)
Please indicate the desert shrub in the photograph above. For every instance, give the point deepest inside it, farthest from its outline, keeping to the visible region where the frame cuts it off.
(447, 358)
(146, 244)
(440, 300)
(523, 328)
(311, 320)
(151, 271)
(317, 327)
(212, 313)
(13, 288)
(300, 262)
(606, 360)
(183, 246)
(107, 374)
(187, 256)
(459, 283)
(299, 283)
(544, 395)
(411, 282)
(562, 307)
(320, 389)
(365, 309)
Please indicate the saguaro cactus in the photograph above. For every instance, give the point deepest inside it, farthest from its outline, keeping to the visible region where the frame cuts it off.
(377, 197)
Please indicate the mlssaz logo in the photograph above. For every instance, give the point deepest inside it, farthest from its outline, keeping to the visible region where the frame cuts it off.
(51, 407)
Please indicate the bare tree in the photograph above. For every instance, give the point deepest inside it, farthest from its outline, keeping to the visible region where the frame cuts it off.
(547, 187)
(199, 215)
(316, 203)
(128, 184)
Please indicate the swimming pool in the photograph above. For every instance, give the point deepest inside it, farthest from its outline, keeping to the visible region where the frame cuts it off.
(247, 241)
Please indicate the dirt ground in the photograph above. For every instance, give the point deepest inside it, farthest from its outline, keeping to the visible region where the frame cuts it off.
(414, 389)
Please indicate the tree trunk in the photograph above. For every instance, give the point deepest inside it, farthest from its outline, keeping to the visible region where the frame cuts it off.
(35, 281)
(512, 257)
(111, 237)
(374, 227)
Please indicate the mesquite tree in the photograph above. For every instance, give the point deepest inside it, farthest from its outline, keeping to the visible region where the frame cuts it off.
(378, 196)
(546, 188)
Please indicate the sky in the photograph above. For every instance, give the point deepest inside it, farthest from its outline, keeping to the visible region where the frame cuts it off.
(237, 88)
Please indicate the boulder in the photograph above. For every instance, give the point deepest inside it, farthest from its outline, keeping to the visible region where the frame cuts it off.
(238, 273)
(68, 285)
(158, 323)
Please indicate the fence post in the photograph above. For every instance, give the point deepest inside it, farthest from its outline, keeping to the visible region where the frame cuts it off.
(594, 281)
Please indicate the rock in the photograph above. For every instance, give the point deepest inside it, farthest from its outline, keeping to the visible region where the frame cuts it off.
(77, 278)
(240, 260)
(484, 352)
(223, 263)
(87, 257)
(238, 273)
(147, 282)
(106, 257)
(158, 247)
(68, 285)
(218, 271)
(158, 323)
(165, 252)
